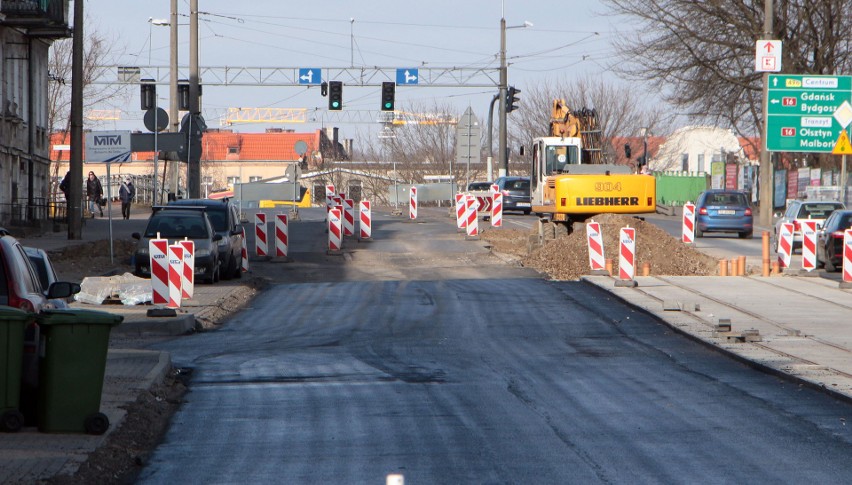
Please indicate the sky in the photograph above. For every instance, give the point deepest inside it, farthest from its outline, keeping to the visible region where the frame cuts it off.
(568, 38)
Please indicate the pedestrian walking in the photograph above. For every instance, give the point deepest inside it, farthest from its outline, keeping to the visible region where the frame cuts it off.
(127, 192)
(65, 184)
(94, 192)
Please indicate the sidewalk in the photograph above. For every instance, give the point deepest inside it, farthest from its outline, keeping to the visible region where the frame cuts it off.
(29, 456)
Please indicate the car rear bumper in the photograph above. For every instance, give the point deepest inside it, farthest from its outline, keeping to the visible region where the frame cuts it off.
(732, 224)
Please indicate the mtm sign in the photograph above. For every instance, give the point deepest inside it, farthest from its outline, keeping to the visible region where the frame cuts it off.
(107, 146)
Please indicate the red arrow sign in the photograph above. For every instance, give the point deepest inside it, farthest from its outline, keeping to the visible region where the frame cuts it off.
(769, 46)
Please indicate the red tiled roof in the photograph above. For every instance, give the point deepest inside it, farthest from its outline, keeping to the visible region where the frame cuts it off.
(216, 144)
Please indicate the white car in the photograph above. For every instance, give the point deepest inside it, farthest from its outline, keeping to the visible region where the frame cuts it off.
(800, 211)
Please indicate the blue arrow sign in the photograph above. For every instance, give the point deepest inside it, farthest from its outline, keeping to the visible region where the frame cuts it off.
(407, 76)
(310, 75)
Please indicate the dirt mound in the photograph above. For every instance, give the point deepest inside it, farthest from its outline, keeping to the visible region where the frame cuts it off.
(75, 262)
(567, 257)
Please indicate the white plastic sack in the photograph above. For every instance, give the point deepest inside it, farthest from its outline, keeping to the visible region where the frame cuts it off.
(130, 289)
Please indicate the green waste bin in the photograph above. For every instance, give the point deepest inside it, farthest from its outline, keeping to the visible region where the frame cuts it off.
(12, 325)
(73, 350)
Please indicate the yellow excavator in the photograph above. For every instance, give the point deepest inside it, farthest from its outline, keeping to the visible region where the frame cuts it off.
(569, 181)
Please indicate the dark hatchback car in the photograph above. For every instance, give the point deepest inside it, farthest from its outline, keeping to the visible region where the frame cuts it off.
(225, 219)
(724, 211)
(830, 239)
(176, 225)
(516, 193)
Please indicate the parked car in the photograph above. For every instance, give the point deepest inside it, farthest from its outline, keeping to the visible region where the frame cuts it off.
(45, 271)
(806, 210)
(830, 239)
(724, 211)
(479, 186)
(20, 286)
(516, 193)
(225, 219)
(177, 224)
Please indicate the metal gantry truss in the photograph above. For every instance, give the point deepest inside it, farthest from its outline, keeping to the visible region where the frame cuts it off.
(448, 77)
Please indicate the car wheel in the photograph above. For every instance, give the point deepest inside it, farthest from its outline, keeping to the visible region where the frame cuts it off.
(829, 266)
(217, 273)
(526, 213)
(699, 232)
(746, 235)
(229, 269)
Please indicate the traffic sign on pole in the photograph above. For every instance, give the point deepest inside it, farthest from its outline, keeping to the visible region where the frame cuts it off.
(800, 112)
(767, 56)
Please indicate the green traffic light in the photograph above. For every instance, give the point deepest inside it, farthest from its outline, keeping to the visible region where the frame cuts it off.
(388, 106)
(335, 104)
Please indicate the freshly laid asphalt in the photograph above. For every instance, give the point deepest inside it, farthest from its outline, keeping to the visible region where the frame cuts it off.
(792, 326)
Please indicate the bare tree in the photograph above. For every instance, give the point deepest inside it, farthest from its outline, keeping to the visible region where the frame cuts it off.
(97, 52)
(700, 55)
(423, 145)
(619, 113)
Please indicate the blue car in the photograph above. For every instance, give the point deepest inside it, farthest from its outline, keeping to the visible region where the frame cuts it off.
(723, 211)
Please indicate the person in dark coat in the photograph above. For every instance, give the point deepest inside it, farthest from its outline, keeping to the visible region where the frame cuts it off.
(126, 193)
(94, 192)
(65, 184)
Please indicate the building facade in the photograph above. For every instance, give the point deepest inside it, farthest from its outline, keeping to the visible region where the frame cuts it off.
(27, 30)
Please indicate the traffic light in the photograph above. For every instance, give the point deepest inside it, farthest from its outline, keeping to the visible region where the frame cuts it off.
(324, 89)
(511, 99)
(148, 94)
(388, 94)
(627, 151)
(335, 95)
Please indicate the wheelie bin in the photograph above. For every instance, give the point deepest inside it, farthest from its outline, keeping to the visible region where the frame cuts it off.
(12, 325)
(71, 370)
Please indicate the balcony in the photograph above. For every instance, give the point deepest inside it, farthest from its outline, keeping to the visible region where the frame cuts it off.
(41, 18)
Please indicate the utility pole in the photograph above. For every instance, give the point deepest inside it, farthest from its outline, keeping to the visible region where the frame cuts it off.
(767, 172)
(75, 209)
(193, 170)
(502, 155)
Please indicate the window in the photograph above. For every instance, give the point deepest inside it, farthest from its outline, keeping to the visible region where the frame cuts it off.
(684, 162)
(700, 162)
(233, 180)
(254, 178)
(233, 150)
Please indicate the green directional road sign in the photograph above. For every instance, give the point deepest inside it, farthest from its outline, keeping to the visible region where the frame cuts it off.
(800, 112)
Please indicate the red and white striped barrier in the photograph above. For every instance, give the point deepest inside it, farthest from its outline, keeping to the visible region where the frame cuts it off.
(329, 191)
(158, 251)
(461, 211)
(471, 223)
(348, 217)
(187, 285)
(175, 275)
(365, 225)
(688, 236)
(335, 230)
(809, 242)
(496, 209)
(596, 247)
(847, 256)
(627, 253)
(282, 236)
(785, 244)
(244, 259)
(261, 246)
(412, 203)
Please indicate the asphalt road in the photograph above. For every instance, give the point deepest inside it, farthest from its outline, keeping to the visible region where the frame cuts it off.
(421, 354)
